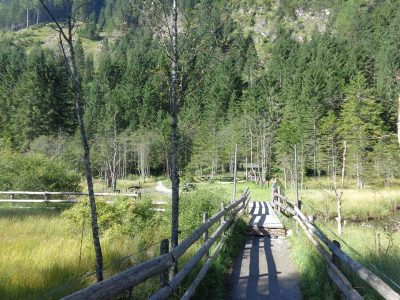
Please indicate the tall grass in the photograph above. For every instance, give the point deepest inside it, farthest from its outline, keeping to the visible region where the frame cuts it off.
(358, 205)
(41, 256)
(314, 281)
(377, 248)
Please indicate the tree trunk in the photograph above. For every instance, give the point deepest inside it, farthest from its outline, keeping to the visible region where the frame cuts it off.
(174, 108)
(398, 120)
(77, 89)
(315, 147)
(340, 194)
(285, 176)
(86, 156)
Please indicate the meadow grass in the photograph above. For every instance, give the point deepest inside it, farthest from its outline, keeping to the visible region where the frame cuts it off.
(357, 205)
(40, 251)
(40, 255)
(369, 228)
(383, 260)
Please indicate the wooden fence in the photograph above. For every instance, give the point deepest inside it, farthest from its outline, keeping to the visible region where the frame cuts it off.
(160, 265)
(333, 255)
(46, 197)
(14, 196)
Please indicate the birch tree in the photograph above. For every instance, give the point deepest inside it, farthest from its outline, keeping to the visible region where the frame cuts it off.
(66, 41)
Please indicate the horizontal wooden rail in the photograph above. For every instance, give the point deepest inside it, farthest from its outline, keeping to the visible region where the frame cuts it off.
(38, 201)
(66, 194)
(174, 284)
(333, 272)
(117, 284)
(210, 259)
(365, 274)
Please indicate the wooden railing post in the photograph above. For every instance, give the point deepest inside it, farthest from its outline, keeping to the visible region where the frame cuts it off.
(335, 259)
(205, 236)
(311, 218)
(222, 219)
(164, 249)
(279, 198)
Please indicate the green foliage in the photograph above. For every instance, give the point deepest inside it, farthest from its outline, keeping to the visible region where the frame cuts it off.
(266, 96)
(35, 172)
(125, 216)
(314, 281)
(194, 204)
(214, 286)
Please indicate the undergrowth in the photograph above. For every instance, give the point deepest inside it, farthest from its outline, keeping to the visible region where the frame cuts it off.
(216, 284)
(314, 280)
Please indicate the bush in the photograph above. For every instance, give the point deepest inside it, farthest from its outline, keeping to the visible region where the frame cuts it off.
(194, 204)
(35, 172)
(127, 216)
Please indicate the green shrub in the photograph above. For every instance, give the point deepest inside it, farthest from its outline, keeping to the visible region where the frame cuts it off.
(125, 216)
(194, 204)
(35, 172)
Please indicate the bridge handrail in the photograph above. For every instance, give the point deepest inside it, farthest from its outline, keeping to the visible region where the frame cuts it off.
(365, 274)
(115, 285)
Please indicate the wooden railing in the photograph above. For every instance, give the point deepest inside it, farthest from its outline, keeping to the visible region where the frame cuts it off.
(336, 255)
(47, 196)
(160, 265)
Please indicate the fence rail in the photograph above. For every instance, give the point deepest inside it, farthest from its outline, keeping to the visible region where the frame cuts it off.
(321, 242)
(47, 196)
(117, 284)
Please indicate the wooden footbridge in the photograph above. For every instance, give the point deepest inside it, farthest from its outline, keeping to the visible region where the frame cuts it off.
(264, 221)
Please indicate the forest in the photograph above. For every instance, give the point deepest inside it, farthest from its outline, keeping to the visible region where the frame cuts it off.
(336, 83)
(291, 91)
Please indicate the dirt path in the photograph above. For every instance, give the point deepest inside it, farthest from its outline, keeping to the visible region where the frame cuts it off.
(160, 187)
(264, 271)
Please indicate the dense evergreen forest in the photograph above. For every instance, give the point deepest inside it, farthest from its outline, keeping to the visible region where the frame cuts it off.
(266, 75)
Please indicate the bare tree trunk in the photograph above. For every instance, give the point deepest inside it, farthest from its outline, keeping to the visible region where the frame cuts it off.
(340, 194)
(88, 173)
(302, 170)
(315, 147)
(77, 89)
(27, 17)
(333, 165)
(398, 120)
(174, 108)
(285, 176)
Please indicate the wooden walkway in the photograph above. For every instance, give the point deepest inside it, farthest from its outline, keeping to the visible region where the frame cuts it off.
(264, 270)
(264, 221)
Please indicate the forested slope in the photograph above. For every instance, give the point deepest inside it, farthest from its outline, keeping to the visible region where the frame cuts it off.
(267, 75)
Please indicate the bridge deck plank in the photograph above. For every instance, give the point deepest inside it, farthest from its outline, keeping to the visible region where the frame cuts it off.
(263, 216)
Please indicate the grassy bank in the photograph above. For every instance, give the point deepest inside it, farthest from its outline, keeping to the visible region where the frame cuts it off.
(375, 247)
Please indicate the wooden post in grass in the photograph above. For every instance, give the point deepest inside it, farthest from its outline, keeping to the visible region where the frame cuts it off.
(164, 249)
(222, 219)
(205, 236)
